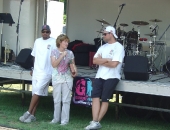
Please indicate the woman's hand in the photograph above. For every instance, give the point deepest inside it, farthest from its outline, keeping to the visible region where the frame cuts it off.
(74, 74)
(64, 54)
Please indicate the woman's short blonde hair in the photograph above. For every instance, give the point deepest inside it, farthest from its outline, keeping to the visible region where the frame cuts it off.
(60, 38)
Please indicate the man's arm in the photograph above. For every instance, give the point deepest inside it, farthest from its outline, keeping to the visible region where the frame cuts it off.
(111, 64)
(33, 60)
(99, 60)
(33, 66)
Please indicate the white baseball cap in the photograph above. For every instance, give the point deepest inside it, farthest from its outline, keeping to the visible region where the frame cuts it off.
(111, 30)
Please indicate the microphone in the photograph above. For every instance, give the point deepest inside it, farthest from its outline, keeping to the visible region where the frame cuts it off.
(151, 27)
(65, 52)
(138, 33)
(133, 29)
(122, 5)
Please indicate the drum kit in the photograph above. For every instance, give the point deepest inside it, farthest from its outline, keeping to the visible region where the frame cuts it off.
(132, 41)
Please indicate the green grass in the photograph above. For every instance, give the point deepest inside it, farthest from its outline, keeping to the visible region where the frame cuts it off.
(11, 109)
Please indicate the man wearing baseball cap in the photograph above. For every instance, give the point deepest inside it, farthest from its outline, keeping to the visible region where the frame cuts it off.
(41, 72)
(109, 57)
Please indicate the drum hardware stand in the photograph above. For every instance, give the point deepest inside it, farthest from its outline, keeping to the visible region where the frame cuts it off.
(101, 35)
(152, 55)
(122, 37)
(101, 30)
(152, 52)
(137, 45)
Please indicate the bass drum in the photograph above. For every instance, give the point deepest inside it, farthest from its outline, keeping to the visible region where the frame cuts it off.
(132, 37)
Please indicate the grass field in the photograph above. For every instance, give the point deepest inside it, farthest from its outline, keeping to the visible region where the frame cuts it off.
(11, 108)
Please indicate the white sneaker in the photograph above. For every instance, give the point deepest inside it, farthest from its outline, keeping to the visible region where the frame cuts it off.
(93, 125)
(54, 121)
(64, 123)
(24, 116)
(31, 118)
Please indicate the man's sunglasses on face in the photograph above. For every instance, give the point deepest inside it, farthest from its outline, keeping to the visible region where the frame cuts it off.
(104, 34)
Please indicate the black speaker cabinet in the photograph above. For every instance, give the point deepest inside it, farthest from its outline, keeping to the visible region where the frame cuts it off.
(136, 68)
(24, 58)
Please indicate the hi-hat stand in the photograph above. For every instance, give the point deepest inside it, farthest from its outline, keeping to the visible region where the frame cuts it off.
(152, 55)
(5, 18)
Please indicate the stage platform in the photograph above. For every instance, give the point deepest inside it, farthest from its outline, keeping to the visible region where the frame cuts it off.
(158, 84)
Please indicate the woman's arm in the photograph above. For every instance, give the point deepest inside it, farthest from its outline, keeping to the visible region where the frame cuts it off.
(73, 72)
(55, 61)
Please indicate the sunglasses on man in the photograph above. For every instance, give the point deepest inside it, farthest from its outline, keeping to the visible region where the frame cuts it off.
(104, 34)
(45, 31)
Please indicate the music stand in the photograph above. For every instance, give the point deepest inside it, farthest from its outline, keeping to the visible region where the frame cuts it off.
(5, 18)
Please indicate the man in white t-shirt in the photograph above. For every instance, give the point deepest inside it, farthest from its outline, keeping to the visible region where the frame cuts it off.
(109, 57)
(42, 71)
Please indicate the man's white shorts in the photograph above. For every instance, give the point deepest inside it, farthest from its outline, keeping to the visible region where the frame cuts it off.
(40, 85)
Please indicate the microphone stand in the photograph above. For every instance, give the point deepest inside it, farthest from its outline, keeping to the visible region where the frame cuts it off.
(164, 32)
(17, 30)
(118, 16)
(155, 29)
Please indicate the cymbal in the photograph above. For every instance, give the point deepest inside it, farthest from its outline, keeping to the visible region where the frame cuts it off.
(150, 34)
(155, 20)
(123, 24)
(140, 23)
(103, 21)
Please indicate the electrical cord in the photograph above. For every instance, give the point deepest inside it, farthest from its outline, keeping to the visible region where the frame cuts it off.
(67, 83)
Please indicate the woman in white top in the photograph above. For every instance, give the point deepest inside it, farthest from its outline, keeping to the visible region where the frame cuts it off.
(64, 70)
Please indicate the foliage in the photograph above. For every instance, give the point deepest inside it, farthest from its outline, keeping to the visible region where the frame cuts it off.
(11, 108)
(64, 18)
